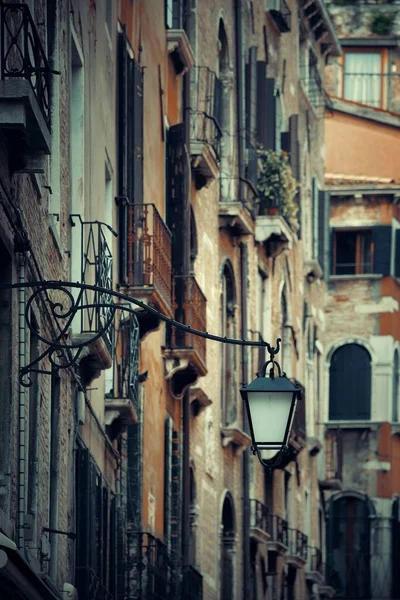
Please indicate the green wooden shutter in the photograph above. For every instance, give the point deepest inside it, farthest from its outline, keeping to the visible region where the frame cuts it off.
(382, 238)
(397, 254)
(271, 114)
(262, 106)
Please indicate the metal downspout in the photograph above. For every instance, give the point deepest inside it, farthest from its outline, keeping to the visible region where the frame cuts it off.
(186, 267)
(246, 455)
(22, 406)
(239, 94)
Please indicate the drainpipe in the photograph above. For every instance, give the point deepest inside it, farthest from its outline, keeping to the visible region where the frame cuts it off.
(186, 268)
(246, 455)
(22, 406)
(239, 94)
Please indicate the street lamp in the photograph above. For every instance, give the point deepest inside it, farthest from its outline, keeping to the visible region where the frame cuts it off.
(270, 403)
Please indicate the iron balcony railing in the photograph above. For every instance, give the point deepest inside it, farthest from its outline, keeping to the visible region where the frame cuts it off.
(278, 529)
(22, 53)
(91, 583)
(96, 269)
(206, 101)
(192, 584)
(314, 560)
(298, 544)
(151, 568)
(148, 255)
(379, 90)
(189, 304)
(259, 515)
(126, 360)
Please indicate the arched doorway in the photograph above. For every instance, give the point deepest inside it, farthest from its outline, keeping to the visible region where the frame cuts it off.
(349, 546)
(228, 550)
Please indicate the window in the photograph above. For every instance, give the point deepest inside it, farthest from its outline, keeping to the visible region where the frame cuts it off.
(353, 252)
(350, 383)
(362, 77)
(362, 251)
(173, 14)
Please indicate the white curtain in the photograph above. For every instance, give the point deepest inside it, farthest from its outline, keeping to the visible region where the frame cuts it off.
(362, 78)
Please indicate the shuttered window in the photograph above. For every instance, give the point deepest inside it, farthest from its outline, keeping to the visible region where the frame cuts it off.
(350, 384)
(251, 115)
(262, 106)
(362, 251)
(95, 529)
(173, 14)
(397, 254)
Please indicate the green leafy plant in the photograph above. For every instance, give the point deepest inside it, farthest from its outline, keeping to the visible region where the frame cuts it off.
(276, 185)
(381, 23)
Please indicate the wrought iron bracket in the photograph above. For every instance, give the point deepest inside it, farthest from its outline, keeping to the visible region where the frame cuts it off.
(64, 300)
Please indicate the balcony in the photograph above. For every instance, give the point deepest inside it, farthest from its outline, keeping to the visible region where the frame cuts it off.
(91, 250)
(278, 531)
(314, 569)
(259, 521)
(145, 258)
(192, 584)
(333, 451)
(273, 227)
(313, 87)
(298, 549)
(185, 353)
(122, 400)
(205, 129)
(24, 90)
(282, 16)
(151, 575)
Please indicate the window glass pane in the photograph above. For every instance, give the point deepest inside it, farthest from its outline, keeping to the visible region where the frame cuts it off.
(362, 77)
(350, 384)
(353, 252)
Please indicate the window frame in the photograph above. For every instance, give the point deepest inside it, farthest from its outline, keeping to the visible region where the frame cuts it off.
(359, 268)
(384, 64)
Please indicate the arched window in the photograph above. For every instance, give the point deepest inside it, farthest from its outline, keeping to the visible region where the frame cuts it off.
(350, 383)
(228, 549)
(395, 394)
(223, 109)
(228, 329)
(349, 546)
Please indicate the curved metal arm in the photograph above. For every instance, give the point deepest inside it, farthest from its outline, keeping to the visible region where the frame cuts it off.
(272, 352)
(271, 463)
(60, 349)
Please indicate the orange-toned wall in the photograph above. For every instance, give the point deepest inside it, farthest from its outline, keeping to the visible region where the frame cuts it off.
(356, 146)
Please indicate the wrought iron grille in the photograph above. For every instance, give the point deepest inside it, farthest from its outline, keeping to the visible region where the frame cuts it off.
(22, 54)
(189, 304)
(126, 359)
(150, 568)
(148, 250)
(206, 104)
(379, 90)
(192, 584)
(92, 585)
(298, 543)
(259, 515)
(96, 269)
(278, 529)
(315, 559)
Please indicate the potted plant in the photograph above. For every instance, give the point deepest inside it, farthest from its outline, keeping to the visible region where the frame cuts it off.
(277, 186)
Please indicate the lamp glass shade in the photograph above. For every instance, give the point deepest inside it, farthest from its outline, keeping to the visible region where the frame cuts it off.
(271, 417)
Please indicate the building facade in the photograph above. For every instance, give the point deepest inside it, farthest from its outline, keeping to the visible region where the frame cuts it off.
(173, 152)
(361, 359)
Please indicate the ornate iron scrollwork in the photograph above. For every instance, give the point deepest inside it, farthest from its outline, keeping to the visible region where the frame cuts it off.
(63, 350)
